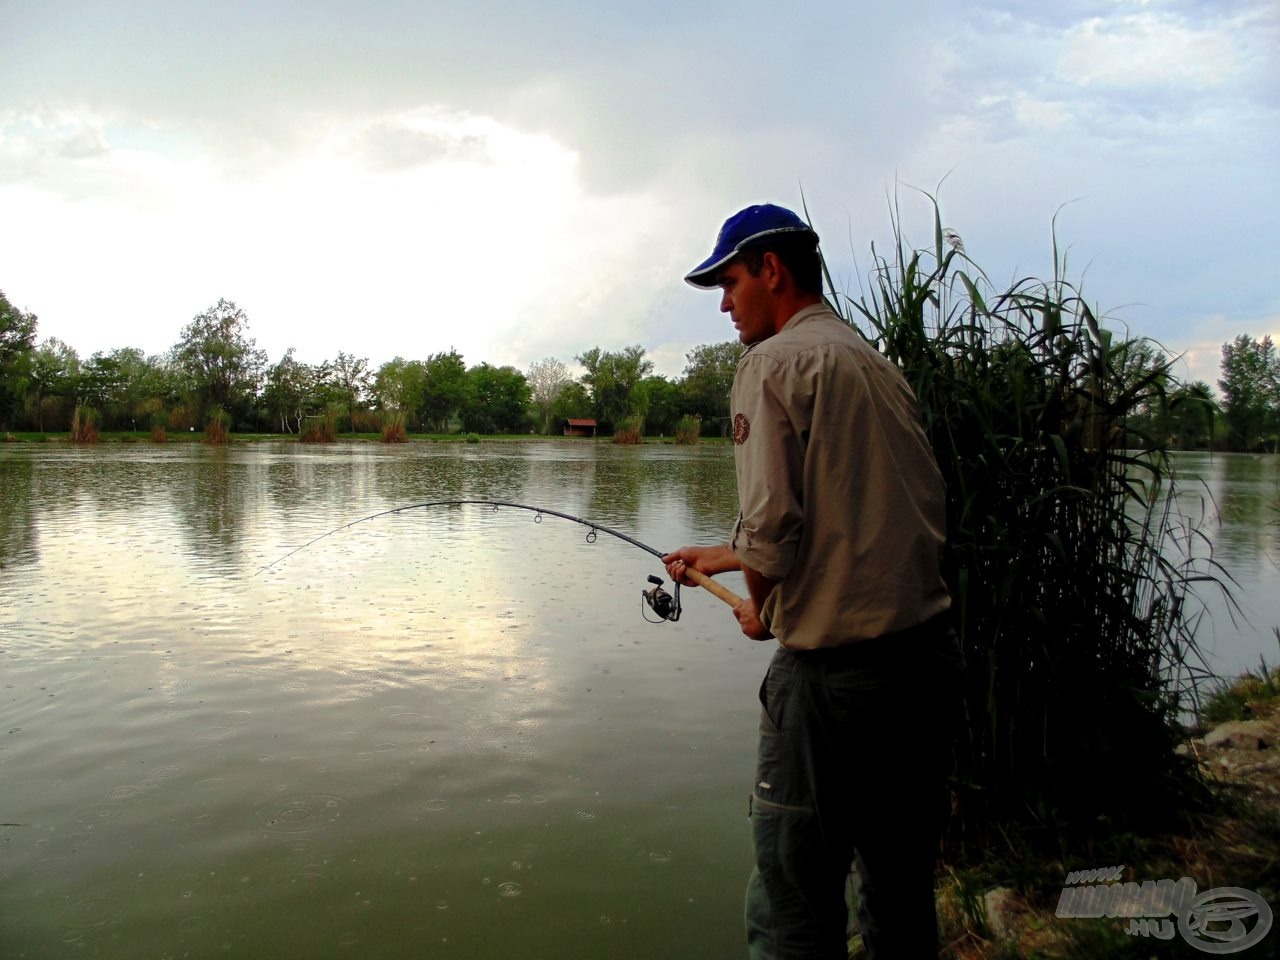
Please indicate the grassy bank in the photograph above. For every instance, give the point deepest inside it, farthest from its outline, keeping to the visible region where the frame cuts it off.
(1006, 906)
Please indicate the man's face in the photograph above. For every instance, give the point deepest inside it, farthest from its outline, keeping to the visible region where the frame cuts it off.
(745, 299)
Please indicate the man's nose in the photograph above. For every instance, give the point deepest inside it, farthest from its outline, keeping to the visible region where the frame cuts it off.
(726, 303)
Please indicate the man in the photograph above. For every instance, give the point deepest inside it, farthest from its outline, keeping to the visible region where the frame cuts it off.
(839, 536)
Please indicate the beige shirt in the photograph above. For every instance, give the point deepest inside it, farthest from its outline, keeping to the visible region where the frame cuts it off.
(841, 498)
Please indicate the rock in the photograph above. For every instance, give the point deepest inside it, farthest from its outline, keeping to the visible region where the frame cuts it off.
(1241, 735)
(998, 905)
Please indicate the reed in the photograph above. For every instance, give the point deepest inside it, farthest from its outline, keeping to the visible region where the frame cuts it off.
(1068, 567)
(320, 429)
(393, 428)
(217, 429)
(84, 425)
(630, 430)
(688, 430)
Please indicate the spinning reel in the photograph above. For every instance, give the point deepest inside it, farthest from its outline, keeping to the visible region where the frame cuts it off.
(664, 604)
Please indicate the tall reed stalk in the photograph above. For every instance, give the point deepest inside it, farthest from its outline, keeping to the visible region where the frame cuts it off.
(320, 429)
(217, 428)
(688, 429)
(630, 430)
(393, 427)
(1069, 568)
(84, 424)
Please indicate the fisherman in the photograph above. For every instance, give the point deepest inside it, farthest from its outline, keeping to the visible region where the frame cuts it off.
(839, 537)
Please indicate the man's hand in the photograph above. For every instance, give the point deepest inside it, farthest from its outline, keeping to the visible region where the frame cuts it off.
(749, 621)
(708, 560)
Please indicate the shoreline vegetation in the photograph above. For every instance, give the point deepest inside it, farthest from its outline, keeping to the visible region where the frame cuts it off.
(1070, 569)
(1015, 907)
(139, 436)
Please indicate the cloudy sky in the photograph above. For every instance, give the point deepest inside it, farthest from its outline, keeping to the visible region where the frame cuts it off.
(520, 180)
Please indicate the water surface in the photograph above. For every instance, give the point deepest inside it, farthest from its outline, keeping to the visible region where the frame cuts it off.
(440, 733)
(444, 732)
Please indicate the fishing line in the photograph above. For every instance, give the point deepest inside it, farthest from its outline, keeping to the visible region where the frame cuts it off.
(665, 605)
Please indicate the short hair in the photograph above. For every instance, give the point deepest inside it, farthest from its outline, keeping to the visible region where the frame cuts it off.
(798, 252)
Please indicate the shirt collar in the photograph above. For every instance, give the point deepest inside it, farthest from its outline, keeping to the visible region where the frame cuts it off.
(807, 313)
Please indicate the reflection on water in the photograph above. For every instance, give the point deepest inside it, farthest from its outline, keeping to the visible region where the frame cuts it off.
(439, 731)
(18, 542)
(1238, 498)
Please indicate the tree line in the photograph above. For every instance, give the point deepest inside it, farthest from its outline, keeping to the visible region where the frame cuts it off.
(215, 365)
(216, 370)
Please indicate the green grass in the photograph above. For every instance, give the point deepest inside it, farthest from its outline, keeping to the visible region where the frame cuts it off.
(1255, 693)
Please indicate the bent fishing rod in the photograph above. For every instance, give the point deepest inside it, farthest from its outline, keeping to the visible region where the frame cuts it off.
(665, 605)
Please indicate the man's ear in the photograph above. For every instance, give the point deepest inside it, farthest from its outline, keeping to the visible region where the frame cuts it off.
(773, 272)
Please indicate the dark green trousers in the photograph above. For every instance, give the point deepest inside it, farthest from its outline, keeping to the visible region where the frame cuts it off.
(855, 747)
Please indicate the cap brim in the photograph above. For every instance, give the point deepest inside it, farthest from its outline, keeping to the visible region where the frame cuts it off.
(703, 276)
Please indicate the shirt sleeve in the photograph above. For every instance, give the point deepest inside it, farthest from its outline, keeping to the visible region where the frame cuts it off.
(769, 440)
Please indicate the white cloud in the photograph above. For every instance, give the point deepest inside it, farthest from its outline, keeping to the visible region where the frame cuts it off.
(1038, 114)
(1147, 49)
(404, 233)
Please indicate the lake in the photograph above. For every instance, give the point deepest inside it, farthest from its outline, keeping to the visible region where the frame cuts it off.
(443, 732)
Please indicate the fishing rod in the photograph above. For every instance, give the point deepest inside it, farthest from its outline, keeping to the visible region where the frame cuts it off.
(665, 605)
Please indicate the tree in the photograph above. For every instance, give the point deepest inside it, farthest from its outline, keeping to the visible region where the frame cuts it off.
(612, 379)
(221, 360)
(101, 384)
(445, 389)
(708, 379)
(55, 372)
(1192, 411)
(290, 392)
(571, 403)
(17, 340)
(350, 380)
(1250, 386)
(1140, 371)
(546, 377)
(496, 400)
(664, 404)
(398, 385)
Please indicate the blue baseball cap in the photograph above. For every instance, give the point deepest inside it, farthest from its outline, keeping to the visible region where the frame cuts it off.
(742, 229)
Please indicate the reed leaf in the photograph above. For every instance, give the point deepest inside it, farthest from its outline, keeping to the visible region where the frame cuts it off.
(1069, 568)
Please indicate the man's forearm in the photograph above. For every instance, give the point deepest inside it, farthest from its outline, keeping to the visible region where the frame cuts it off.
(719, 559)
(758, 585)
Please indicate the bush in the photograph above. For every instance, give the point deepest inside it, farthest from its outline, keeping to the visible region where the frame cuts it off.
(320, 429)
(84, 425)
(629, 430)
(393, 428)
(688, 430)
(217, 427)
